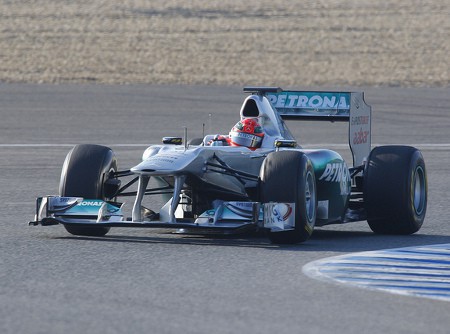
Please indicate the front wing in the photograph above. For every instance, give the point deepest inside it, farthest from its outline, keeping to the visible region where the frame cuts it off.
(224, 218)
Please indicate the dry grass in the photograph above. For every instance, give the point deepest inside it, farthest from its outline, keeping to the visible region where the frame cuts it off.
(288, 43)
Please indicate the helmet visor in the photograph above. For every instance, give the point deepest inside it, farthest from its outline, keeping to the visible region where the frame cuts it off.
(245, 139)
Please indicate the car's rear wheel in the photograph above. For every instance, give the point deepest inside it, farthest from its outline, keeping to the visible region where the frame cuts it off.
(395, 190)
(85, 171)
(288, 177)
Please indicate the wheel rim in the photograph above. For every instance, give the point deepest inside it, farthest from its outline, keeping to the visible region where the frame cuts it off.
(310, 195)
(419, 189)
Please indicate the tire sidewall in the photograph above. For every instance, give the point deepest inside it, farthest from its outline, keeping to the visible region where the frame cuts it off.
(417, 165)
(304, 214)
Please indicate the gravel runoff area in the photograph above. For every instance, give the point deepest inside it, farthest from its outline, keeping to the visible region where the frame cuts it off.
(270, 42)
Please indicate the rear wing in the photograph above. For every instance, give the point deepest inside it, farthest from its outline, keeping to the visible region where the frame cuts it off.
(325, 106)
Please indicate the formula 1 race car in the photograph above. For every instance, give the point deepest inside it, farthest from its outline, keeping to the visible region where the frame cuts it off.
(211, 187)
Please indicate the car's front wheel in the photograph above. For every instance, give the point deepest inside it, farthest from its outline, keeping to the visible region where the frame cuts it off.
(288, 177)
(85, 171)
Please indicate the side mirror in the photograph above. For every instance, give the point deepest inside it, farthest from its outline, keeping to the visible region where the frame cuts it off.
(172, 140)
(285, 143)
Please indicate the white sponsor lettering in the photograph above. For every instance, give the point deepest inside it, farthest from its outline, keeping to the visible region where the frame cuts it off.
(335, 172)
(329, 103)
(281, 101)
(244, 205)
(94, 203)
(303, 101)
(292, 99)
(316, 101)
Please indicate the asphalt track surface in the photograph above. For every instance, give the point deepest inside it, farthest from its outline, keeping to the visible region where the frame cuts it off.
(153, 281)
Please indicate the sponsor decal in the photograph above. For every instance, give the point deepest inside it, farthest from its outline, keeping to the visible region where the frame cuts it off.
(112, 209)
(244, 209)
(360, 120)
(165, 158)
(67, 206)
(279, 216)
(244, 135)
(360, 137)
(91, 203)
(310, 100)
(335, 172)
(64, 200)
(281, 212)
(61, 203)
(242, 205)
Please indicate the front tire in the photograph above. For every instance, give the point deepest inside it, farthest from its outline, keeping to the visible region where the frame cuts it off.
(395, 190)
(85, 171)
(288, 177)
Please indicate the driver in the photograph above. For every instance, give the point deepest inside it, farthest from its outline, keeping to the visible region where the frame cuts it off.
(247, 132)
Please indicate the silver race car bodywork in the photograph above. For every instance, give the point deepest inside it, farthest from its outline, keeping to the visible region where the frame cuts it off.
(225, 189)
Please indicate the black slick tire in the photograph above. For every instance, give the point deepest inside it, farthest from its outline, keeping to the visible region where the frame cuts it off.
(395, 190)
(288, 177)
(84, 174)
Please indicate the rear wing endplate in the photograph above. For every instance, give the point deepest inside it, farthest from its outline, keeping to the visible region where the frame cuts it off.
(325, 106)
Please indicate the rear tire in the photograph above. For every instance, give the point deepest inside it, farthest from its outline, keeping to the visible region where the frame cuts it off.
(84, 174)
(395, 190)
(288, 177)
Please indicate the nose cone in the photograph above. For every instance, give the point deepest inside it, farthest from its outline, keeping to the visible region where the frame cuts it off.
(170, 163)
